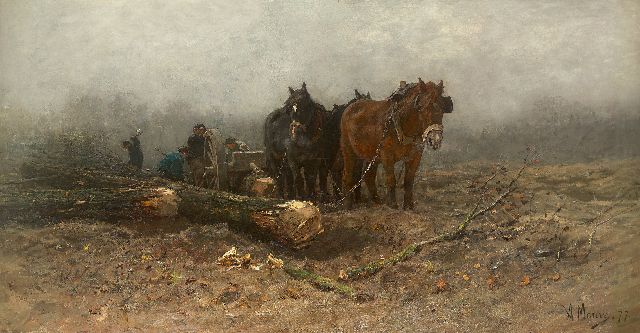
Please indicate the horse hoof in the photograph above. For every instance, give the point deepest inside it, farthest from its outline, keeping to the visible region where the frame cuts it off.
(393, 205)
(408, 206)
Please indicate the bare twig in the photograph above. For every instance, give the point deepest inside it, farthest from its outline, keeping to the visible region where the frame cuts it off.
(492, 177)
(593, 232)
(604, 211)
(409, 251)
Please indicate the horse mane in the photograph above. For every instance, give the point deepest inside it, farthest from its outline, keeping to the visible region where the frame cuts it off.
(289, 101)
(401, 92)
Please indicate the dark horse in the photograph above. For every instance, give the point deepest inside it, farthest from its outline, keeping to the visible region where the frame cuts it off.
(292, 144)
(332, 159)
(392, 130)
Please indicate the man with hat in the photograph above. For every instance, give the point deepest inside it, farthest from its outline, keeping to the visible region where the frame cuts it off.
(132, 146)
(233, 145)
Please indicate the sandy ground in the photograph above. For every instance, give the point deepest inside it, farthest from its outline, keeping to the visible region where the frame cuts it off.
(527, 266)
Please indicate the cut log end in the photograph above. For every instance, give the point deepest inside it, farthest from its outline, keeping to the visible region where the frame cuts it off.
(263, 187)
(163, 203)
(294, 223)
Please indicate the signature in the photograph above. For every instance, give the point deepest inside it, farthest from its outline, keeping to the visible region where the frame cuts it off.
(580, 312)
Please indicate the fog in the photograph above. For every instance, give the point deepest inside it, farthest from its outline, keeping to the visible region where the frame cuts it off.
(498, 59)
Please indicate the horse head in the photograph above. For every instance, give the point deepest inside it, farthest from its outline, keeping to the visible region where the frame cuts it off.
(426, 105)
(299, 105)
(297, 134)
(306, 115)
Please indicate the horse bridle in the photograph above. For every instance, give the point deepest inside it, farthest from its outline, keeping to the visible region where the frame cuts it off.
(405, 139)
(435, 105)
(294, 124)
(304, 127)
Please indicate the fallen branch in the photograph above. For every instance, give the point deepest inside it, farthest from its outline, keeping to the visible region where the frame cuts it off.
(492, 177)
(319, 281)
(409, 251)
(376, 266)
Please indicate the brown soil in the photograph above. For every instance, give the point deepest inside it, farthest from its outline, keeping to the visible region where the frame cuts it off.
(520, 268)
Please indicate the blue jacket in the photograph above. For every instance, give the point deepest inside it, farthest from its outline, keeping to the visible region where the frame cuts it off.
(171, 166)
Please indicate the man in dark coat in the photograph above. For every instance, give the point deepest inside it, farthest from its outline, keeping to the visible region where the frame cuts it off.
(135, 152)
(197, 151)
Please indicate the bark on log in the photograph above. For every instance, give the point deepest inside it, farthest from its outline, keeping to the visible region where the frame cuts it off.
(113, 196)
(292, 223)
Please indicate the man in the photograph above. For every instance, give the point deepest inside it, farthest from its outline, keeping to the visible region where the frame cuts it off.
(234, 180)
(134, 150)
(234, 145)
(171, 166)
(197, 148)
(202, 158)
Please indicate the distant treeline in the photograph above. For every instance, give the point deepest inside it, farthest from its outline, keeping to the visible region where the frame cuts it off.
(114, 119)
(560, 131)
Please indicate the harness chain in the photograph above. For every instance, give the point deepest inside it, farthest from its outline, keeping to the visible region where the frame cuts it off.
(389, 120)
(375, 157)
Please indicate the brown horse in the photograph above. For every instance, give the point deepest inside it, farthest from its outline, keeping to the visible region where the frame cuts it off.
(392, 130)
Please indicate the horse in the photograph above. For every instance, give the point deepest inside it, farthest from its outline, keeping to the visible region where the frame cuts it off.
(392, 130)
(331, 157)
(276, 140)
(292, 144)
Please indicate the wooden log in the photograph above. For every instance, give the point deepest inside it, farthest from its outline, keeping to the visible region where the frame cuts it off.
(292, 223)
(102, 194)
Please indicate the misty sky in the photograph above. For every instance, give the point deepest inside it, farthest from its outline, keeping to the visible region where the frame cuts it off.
(240, 56)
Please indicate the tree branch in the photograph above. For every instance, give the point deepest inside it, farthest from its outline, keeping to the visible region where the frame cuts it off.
(374, 267)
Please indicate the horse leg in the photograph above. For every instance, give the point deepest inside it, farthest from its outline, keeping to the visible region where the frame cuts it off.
(349, 162)
(280, 185)
(298, 181)
(310, 176)
(370, 178)
(279, 175)
(336, 176)
(323, 173)
(274, 171)
(390, 177)
(287, 176)
(411, 167)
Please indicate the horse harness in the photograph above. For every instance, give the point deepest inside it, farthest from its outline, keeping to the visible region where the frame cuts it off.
(403, 139)
(317, 124)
